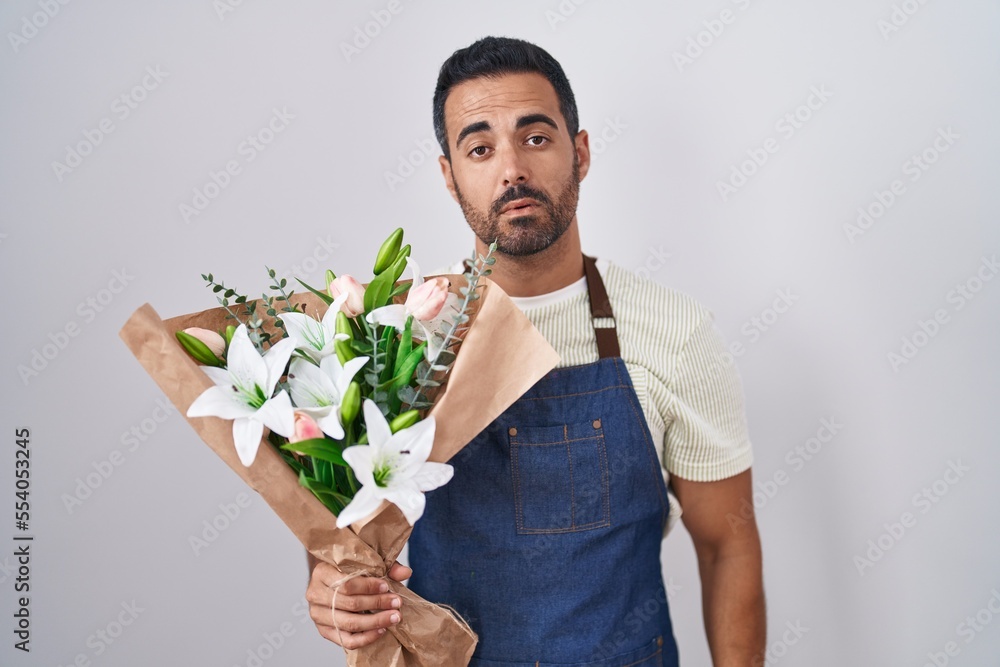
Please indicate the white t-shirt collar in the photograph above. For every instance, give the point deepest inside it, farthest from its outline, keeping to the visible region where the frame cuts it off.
(542, 300)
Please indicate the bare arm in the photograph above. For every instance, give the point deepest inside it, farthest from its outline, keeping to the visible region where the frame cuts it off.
(719, 517)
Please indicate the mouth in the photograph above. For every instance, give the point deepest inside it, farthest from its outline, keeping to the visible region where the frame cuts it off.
(520, 207)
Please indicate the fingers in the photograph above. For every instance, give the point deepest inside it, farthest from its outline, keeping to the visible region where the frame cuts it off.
(365, 607)
(356, 630)
(350, 640)
(399, 572)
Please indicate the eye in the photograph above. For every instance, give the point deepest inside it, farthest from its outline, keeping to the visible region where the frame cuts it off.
(543, 140)
(478, 151)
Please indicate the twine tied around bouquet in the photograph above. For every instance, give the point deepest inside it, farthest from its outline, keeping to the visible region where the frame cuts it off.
(418, 600)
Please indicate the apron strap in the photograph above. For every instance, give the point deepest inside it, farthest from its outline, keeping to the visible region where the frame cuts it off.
(600, 308)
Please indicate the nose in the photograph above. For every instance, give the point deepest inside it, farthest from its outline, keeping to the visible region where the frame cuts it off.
(515, 169)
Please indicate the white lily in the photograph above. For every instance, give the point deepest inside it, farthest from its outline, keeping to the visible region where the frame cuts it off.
(313, 337)
(395, 315)
(393, 467)
(319, 391)
(243, 392)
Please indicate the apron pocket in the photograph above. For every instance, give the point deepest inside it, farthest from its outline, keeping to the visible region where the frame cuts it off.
(560, 476)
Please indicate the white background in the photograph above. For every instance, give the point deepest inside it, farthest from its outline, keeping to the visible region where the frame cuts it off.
(318, 196)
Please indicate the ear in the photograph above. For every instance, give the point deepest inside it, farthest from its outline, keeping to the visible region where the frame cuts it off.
(582, 147)
(449, 178)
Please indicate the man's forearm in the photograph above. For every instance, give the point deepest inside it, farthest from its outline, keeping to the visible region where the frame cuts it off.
(733, 607)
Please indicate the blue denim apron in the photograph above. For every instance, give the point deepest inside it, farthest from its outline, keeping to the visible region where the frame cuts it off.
(547, 539)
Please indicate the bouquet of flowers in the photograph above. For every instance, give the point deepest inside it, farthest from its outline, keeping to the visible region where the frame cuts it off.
(364, 391)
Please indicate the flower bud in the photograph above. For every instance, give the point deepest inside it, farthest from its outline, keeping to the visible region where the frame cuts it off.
(343, 347)
(306, 428)
(350, 404)
(387, 253)
(212, 340)
(405, 420)
(426, 300)
(345, 284)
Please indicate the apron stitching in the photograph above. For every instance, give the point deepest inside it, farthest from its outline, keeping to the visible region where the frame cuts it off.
(660, 487)
(579, 393)
(572, 490)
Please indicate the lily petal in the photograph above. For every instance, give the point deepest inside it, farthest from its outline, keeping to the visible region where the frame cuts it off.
(247, 433)
(409, 500)
(432, 475)
(219, 402)
(361, 458)
(330, 424)
(278, 414)
(245, 365)
(219, 376)
(363, 504)
(276, 359)
(393, 315)
(310, 386)
(378, 428)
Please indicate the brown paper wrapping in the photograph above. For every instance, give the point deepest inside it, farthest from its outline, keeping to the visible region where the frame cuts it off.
(502, 356)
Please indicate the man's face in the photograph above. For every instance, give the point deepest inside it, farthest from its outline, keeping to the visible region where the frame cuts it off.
(514, 169)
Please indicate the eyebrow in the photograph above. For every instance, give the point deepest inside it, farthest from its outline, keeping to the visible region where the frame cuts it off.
(523, 121)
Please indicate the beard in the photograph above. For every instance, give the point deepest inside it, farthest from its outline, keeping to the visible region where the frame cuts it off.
(527, 234)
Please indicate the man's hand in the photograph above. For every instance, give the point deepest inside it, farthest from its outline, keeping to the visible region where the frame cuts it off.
(358, 603)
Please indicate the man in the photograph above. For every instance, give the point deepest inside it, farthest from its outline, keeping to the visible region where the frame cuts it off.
(547, 540)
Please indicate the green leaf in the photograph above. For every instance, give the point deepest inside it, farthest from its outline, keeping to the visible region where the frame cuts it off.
(327, 299)
(401, 288)
(325, 494)
(318, 448)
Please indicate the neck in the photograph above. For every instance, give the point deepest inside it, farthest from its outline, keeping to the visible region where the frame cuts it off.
(557, 266)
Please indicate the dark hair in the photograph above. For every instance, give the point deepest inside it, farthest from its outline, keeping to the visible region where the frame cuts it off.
(493, 57)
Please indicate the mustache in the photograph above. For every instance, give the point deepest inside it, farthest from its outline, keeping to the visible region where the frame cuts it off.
(518, 192)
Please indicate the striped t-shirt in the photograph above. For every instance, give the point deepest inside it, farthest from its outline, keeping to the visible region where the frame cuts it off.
(690, 391)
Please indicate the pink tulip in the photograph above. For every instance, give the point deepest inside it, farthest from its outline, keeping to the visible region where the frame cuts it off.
(355, 304)
(305, 428)
(215, 342)
(426, 300)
